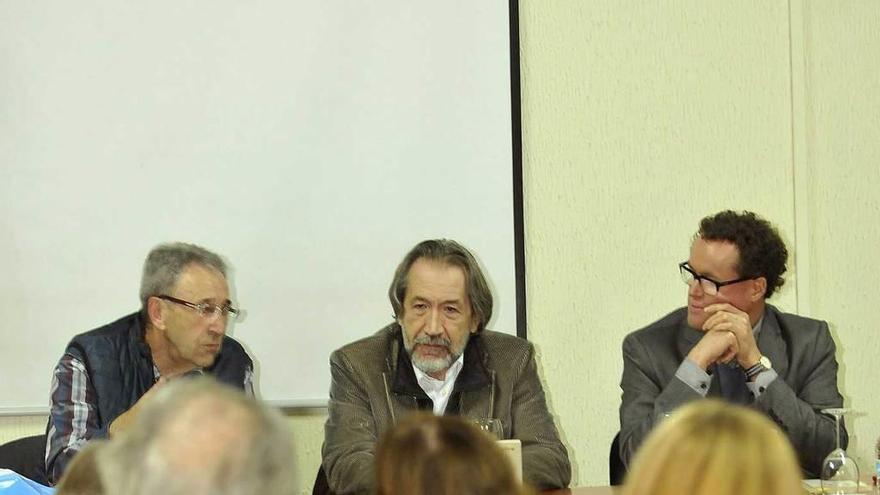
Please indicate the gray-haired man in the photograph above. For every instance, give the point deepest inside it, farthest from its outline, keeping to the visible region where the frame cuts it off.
(437, 356)
(106, 375)
(200, 437)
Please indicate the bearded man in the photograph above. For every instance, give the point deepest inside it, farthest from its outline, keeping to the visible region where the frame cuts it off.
(437, 356)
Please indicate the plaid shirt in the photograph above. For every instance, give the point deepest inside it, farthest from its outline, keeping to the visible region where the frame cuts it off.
(73, 418)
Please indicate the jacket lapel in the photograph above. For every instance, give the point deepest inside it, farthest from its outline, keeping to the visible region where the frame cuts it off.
(400, 404)
(401, 389)
(771, 343)
(476, 382)
(687, 338)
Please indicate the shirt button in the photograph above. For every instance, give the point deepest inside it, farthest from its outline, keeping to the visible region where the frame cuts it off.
(703, 386)
(761, 389)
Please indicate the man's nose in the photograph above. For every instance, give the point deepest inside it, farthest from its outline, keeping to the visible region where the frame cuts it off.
(695, 288)
(218, 326)
(434, 325)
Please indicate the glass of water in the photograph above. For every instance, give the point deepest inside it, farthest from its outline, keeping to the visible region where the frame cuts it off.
(491, 426)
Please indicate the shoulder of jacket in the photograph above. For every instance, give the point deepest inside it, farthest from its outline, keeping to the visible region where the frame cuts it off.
(106, 338)
(491, 336)
(504, 346)
(377, 344)
(662, 327)
(791, 323)
(771, 309)
(233, 347)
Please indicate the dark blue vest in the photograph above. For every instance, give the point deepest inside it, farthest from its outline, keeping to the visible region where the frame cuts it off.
(120, 365)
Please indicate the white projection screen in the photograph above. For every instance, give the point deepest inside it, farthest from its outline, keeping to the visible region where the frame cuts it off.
(310, 143)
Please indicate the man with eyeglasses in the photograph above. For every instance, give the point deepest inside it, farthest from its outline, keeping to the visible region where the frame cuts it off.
(729, 343)
(106, 375)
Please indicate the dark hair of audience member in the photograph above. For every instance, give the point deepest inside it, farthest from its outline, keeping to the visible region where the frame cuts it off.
(442, 455)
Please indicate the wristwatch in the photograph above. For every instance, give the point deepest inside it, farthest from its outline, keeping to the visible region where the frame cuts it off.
(762, 365)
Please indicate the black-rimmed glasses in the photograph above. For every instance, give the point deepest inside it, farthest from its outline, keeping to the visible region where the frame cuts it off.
(709, 286)
(207, 311)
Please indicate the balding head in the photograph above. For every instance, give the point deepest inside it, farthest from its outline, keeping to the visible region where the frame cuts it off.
(200, 437)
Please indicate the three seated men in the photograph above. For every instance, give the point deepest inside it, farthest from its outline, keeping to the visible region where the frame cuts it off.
(438, 356)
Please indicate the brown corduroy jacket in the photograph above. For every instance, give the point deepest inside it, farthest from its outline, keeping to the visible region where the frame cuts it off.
(373, 386)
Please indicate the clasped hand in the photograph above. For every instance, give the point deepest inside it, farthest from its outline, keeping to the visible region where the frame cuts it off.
(728, 336)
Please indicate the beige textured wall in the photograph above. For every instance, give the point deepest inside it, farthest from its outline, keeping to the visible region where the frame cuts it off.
(842, 170)
(639, 119)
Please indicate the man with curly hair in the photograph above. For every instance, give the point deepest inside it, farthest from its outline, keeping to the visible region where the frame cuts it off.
(729, 343)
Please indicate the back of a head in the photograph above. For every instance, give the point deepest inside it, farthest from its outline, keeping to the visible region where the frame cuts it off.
(711, 447)
(199, 437)
(442, 455)
(82, 476)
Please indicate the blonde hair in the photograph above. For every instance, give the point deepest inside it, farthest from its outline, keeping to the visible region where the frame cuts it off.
(717, 448)
(442, 455)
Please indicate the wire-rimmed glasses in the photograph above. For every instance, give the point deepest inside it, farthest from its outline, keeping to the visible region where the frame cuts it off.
(208, 311)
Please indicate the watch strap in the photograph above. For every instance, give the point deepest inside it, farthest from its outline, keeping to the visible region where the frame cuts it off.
(753, 371)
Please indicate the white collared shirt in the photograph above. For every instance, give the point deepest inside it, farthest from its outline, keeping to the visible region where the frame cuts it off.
(440, 390)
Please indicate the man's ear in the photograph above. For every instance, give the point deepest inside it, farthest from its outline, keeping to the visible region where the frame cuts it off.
(759, 288)
(156, 312)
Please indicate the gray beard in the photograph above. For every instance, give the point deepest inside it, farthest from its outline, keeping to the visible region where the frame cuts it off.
(432, 364)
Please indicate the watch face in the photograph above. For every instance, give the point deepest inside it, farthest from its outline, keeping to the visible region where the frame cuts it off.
(766, 362)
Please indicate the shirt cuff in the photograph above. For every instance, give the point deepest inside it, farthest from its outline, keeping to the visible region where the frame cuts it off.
(762, 381)
(693, 376)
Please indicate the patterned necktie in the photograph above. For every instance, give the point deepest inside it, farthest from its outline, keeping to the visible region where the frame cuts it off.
(732, 379)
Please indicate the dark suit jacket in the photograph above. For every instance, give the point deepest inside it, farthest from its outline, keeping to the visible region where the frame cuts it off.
(800, 349)
(373, 386)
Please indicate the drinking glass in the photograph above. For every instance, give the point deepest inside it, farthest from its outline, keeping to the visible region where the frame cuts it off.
(840, 474)
(491, 426)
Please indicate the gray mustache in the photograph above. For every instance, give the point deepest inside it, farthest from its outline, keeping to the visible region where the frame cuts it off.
(428, 340)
